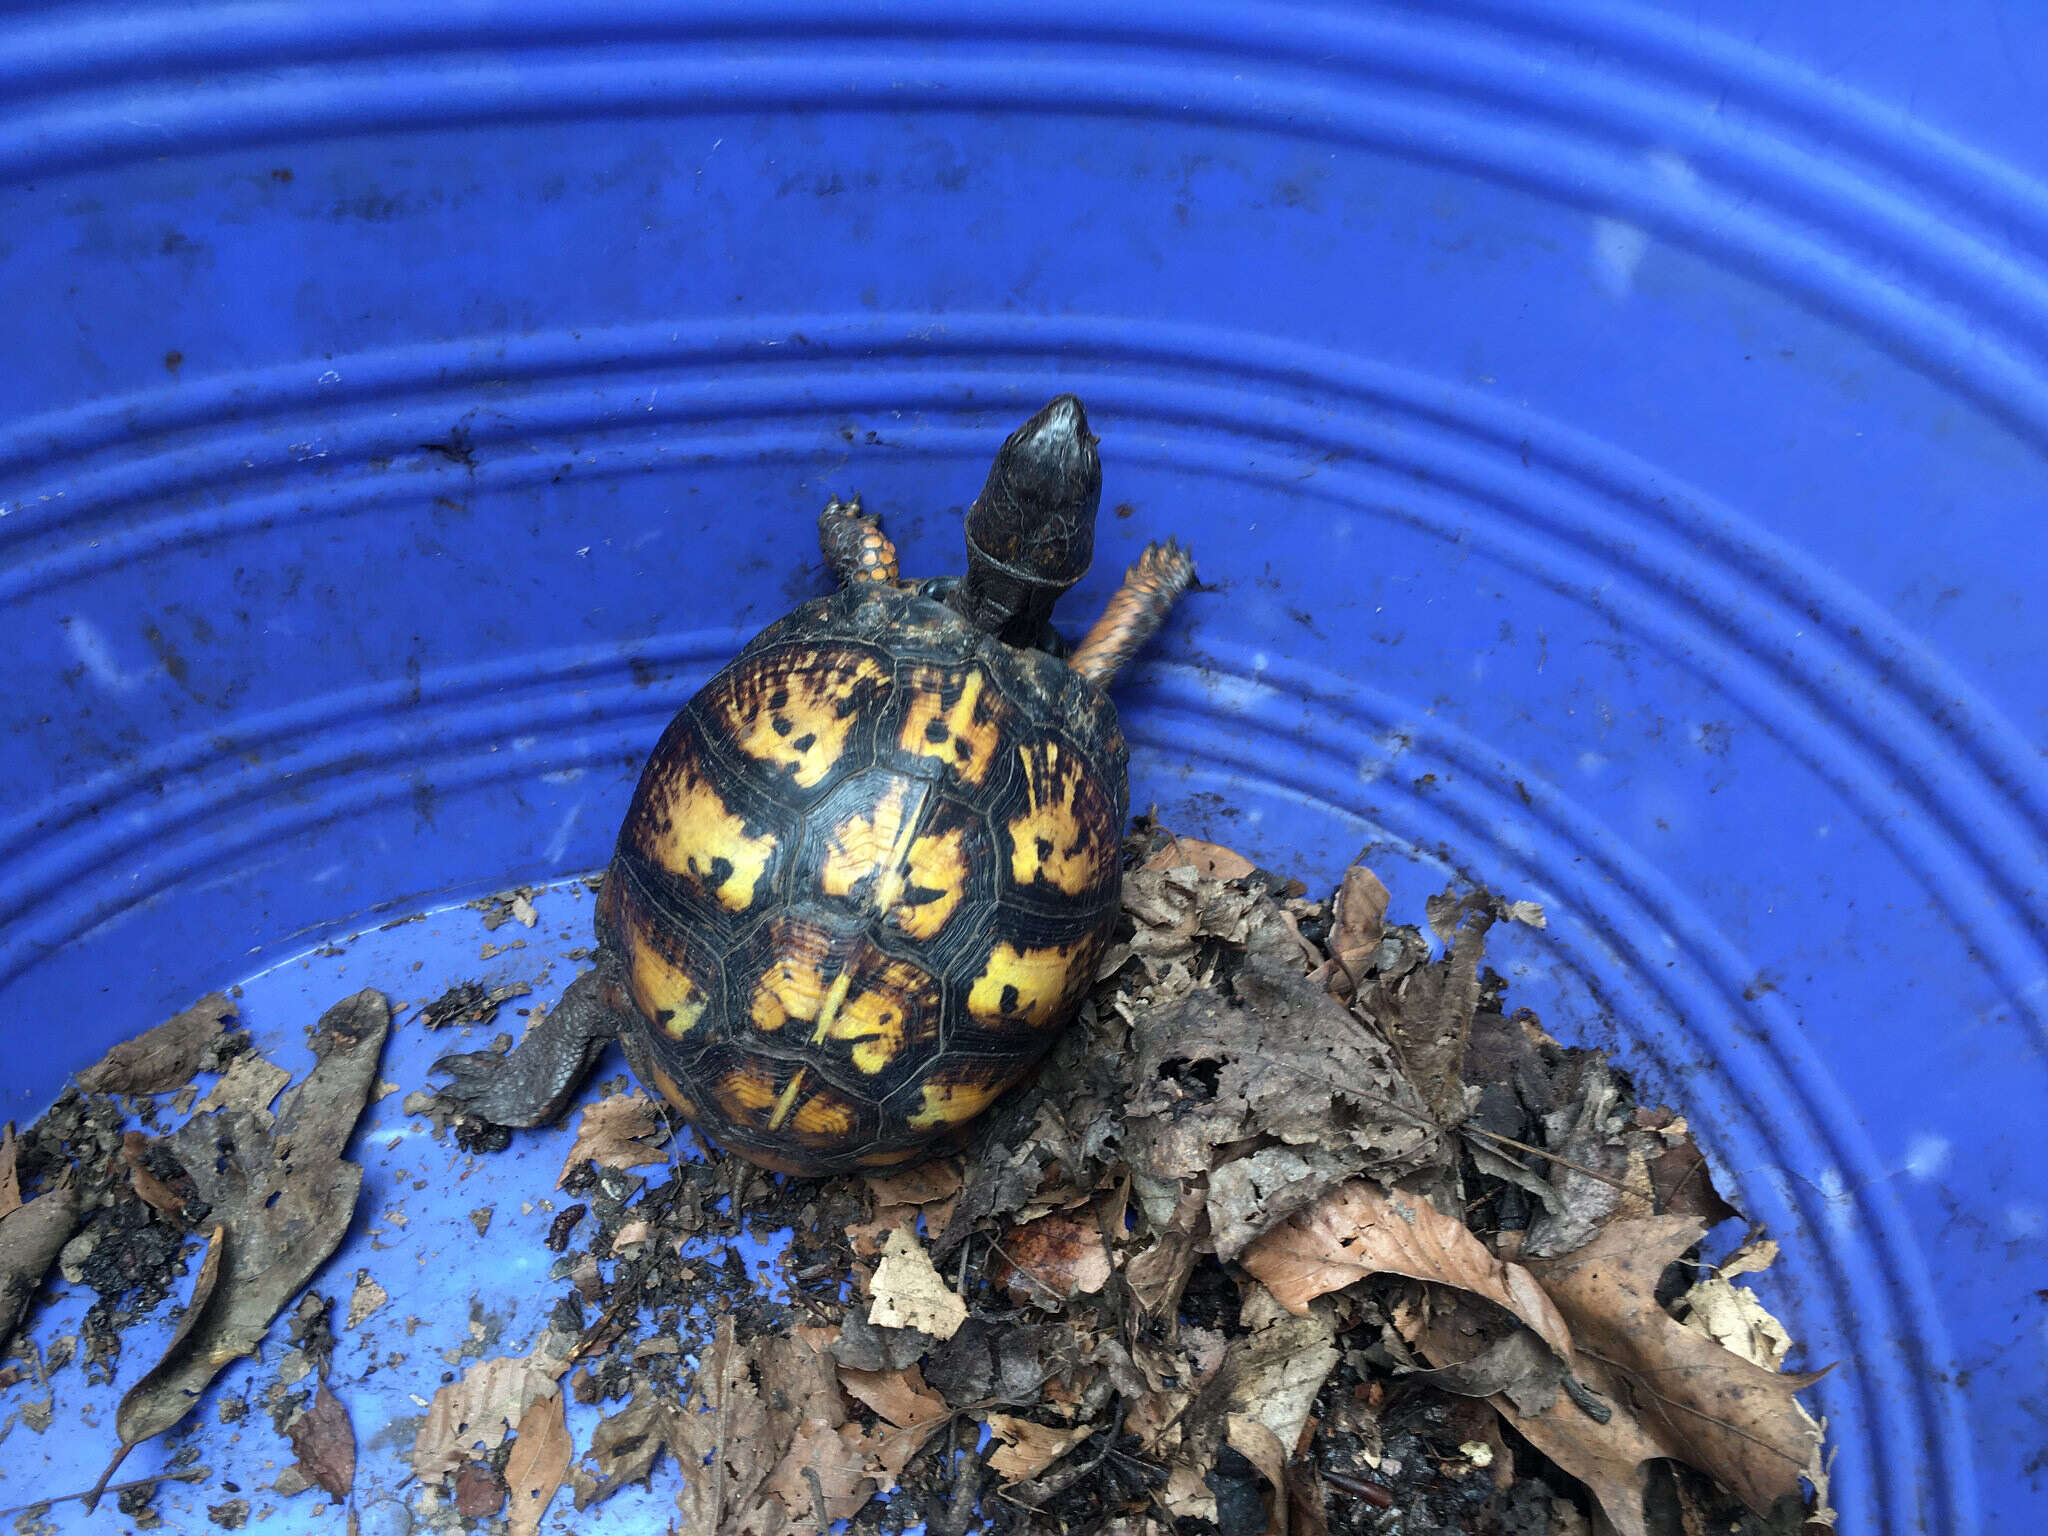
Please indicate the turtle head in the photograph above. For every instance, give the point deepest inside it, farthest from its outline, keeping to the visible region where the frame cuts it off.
(1031, 531)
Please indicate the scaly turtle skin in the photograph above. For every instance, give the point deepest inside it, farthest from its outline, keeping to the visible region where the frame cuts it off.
(869, 870)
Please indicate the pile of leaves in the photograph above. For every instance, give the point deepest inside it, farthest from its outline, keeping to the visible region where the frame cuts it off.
(1299, 1231)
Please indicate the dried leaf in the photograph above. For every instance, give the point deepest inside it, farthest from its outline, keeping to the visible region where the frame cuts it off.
(249, 1084)
(1357, 1231)
(10, 1180)
(1210, 860)
(1359, 920)
(163, 1058)
(1282, 1060)
(31, 1237)
(474, 1413)
(284, 1197)
(150, 1189)
(1027, 1448)
(909, 1293)
(1052, 1260)
(365, 1299)
(540, 1458)
(165, 1394)
(861, 1346)
(913, 1412)
(625, 1447)
(1704, 1405)
(1428, 1014)
(624, 1131)
(1258, 1445)
(325, 1443)
(722, 1437)
(823, 1472)
(1733, 1318)
(926, 1184)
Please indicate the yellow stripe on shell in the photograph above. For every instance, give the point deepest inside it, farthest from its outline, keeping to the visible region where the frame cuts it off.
(820, 694)
(663, 991)
(965, 736)
(697, 837)
(953, 1102)
(1061, 837)
(882, 849)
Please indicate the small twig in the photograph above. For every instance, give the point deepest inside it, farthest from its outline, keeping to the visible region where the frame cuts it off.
(188, 1475)
(1562, 1162)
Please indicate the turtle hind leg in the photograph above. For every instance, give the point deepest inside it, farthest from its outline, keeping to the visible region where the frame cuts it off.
(1134, 613)
(534, 1082)
(855, 547)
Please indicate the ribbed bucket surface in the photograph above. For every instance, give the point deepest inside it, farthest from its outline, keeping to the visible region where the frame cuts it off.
(1616, 443)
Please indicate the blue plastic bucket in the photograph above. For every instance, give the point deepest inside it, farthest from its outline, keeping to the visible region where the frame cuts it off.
(1617, 444)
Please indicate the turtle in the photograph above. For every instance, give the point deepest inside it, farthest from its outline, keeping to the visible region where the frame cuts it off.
(869, 870)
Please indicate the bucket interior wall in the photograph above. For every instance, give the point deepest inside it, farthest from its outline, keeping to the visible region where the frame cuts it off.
(1613, 449)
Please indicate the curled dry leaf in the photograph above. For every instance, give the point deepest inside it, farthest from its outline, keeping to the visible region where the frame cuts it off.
(625, 1447)
(31, 1237)
(539, 1461)
(909, 1293)
(325, 1443)
(912, 1412)
(623, 1131)
(163, 1058)
(1028, 1449)
(1359, 919)
(1707, 1406)
(161, 1397)
(150, 1189)
(1358, 1231)
(10, 1180)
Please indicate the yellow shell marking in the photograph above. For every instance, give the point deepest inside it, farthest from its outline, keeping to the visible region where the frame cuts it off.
(666, 1086)
(870, 1021)
(699, 838)
(824, 1118)
(966, 736)
(744, 1092)
(1022, 986)
(664, 991)
(953, 1103)
(794, 711)
(1056, 839)
(786, 1101)
(883, 850)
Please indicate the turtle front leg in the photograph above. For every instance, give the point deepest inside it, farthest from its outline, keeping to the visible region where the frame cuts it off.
(534, 1082)
(855, 547)
(1135, 612)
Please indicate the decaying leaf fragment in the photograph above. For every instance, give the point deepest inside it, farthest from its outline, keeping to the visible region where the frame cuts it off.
(282, 1196)
(909, 1293)
(1302, 1090)
(163, 1058)
(623, 1131)
(325, 1443)
(1028, 1448)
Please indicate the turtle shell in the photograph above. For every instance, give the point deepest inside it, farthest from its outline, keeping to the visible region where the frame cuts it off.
(865, 881)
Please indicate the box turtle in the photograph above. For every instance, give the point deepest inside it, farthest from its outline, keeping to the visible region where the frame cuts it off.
(870, 868)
